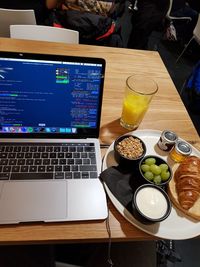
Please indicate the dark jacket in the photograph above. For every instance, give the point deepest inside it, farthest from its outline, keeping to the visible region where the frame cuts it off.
(92, 28)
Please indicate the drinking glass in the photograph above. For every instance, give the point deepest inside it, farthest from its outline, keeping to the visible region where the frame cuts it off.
(139, 91)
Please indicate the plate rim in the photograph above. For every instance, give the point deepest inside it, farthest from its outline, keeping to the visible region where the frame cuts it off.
(149, 229)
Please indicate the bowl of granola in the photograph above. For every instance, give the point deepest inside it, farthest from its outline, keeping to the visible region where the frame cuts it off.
(129, 150)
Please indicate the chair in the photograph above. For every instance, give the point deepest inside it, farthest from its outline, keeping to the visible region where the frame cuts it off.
(196, 37)
(14, 16)
(171, 18)
(44, 33)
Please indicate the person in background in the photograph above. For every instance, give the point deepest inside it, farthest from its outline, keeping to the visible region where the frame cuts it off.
(184, 28)
(94, 6)
(147, 17)
(95, 20)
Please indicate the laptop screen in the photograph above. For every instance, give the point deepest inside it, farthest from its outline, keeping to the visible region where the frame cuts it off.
(50, 96)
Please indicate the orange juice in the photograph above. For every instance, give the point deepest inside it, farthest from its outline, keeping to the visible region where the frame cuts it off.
(134, 109)
(139, 91)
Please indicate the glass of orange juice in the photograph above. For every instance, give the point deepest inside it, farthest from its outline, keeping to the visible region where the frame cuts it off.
(138, 94)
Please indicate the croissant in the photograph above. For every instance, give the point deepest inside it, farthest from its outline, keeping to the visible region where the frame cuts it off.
(187, 179)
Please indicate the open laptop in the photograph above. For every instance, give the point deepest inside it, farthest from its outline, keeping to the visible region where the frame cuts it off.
(50, 158)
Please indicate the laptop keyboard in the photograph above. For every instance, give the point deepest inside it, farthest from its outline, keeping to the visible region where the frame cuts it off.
(47, 161)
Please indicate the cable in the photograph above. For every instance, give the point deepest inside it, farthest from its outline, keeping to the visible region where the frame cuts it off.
(109, 241)
(109, 260)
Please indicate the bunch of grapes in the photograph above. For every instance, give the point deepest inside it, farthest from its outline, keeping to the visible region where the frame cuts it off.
(155, 173)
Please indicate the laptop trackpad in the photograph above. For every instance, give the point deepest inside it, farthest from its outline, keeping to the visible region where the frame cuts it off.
(25, 201)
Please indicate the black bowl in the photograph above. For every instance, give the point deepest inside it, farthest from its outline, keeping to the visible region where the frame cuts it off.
(160, 179)
(129, 150)
(151, 204)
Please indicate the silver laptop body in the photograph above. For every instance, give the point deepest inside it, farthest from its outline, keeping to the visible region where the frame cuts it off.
(50, 106)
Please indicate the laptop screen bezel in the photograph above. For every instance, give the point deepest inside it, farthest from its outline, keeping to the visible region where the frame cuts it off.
(84, 133)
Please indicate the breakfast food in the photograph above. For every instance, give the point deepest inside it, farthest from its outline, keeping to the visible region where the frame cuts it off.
(151, 202)
(130, 147)
(184, 188)
(155, 170)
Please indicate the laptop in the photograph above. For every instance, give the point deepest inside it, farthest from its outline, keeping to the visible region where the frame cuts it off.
(50, 157)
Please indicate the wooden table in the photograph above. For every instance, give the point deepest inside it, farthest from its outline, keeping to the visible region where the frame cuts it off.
(166, 111)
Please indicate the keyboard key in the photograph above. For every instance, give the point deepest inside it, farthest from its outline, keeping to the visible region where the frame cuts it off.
(52, 155)
(24, 149)
(36, 155)
(2, 148)
(54, 161)
(85, 175)
(15, 168)
(29, 162)
(86, 161)
(33, 169)
(38, 161)
(77, 175)
(70, 161)
(33, 149)
(24, 169)
(20, 161)
(41, 168)
(45, 155)
(31, 176)
(3, 161)
(58, 168)
(46, 161)
(11, 155)
(4, 176)
(64, 149)
(3, 155)
(62, 161)
(9, 149)
(89, 149)
(17, 149)
(59, 175)
(20, 155)
(68, 175)
(28, 155)
(56, 149)
(88, 168)
(66, 168)
(41, 148)
(50, 168)
(93, 175)
(74, 168)
(78, 161)
(72, 149)
(6, 168)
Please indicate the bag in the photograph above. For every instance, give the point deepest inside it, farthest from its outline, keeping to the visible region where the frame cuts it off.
(93, 29)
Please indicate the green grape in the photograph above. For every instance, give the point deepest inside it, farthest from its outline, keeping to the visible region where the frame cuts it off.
(145, 167)
(148, 175)
(157, 179)
(164, 167)
(165, 175)
(155, 169)
(150, 161)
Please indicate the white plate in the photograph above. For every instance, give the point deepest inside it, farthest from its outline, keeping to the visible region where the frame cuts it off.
(176, 226)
